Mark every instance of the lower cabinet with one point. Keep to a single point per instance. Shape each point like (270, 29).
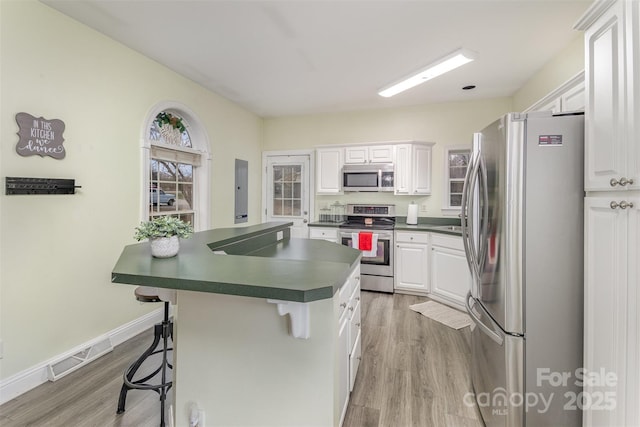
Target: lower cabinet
(324, 233)
(432, 264)
(349, 338)
(612, 297)
(450, 277)
(411, 272)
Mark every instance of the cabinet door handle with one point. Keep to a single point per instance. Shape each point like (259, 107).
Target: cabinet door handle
(351, 308)
(622, 205)
(343, 305)
(358, 325)
(621, 182)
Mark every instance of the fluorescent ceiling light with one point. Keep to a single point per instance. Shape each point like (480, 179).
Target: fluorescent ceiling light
(446, 64)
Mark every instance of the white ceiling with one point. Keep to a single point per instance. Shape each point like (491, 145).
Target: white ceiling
(293, 57)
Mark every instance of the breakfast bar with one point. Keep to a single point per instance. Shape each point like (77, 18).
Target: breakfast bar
(239, 358)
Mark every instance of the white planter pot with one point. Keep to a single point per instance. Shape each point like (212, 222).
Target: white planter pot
(165, 247)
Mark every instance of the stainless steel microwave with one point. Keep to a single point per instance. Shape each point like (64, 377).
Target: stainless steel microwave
(370, 177)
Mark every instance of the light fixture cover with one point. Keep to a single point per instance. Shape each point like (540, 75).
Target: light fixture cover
(443, 65)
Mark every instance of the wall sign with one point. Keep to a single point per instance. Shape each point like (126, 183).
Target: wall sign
(40, 136)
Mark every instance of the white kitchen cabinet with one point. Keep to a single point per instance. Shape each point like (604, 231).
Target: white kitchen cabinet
(611, 303)
(355, 352)
(324, 233)
(450, 279)
(369, 154)
(343, 367)
(413, 169)
(612, 228)
(349, 338)
(411, 262)
(402, 173)
(329, 170)
(573, 99)
(612, 155)
(569, 96)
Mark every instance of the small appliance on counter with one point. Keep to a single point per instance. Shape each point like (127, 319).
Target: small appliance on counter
(412, 214)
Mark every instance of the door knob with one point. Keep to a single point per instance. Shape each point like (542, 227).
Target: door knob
(304, 221)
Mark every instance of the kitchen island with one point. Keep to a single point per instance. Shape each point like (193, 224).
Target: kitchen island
(236, 359)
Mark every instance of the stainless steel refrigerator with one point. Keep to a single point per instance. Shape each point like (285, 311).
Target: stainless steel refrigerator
(522, 223)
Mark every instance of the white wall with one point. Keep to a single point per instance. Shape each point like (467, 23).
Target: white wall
(56, 252)
(565, 65)
(445, 124)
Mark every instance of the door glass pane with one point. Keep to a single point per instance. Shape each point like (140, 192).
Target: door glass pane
(277, 206)
(287, 190)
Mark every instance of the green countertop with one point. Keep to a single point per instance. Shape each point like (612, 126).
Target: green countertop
(256, 264)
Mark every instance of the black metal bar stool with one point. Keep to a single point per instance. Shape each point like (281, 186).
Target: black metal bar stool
(162, 331)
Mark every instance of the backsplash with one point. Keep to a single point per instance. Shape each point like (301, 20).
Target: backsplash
(401, 202)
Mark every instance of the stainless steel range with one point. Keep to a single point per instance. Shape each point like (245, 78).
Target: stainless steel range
(376, 268)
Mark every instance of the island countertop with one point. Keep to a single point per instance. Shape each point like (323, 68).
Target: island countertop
(261, 261)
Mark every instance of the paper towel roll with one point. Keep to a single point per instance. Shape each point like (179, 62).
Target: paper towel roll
(412, 214)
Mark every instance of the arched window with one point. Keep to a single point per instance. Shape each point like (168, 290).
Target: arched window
(176, 166)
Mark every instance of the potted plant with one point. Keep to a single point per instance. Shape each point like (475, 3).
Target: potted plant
(164, 233)
(171, 127)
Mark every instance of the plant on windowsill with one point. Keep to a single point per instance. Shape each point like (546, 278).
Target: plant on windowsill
(164, 233)
(171, 127)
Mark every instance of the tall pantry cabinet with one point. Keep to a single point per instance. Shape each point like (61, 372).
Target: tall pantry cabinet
(612, 213)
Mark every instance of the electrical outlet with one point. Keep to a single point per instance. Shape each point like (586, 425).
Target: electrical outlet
(279, 235)
(423, 208)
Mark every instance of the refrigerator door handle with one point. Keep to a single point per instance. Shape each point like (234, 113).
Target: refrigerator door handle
(468, 230)
(483, 190)
(486, 329)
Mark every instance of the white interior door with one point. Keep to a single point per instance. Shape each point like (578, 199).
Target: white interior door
(288, 191)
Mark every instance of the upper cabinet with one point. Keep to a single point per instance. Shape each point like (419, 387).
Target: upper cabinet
(612, 140)
(411, 160)
(413, 168)
(329, 170)
(570, 96)
(368, 154)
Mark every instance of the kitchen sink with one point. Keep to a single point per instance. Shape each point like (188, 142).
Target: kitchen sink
(456, 228)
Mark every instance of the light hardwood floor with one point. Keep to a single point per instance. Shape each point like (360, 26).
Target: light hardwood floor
(414, 372)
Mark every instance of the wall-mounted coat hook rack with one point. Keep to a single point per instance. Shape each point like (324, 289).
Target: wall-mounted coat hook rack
(18, 185)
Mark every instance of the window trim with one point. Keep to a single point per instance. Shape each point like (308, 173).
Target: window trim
(200, 147)
(446, 208)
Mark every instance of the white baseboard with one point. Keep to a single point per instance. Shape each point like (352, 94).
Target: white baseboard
(20, 383)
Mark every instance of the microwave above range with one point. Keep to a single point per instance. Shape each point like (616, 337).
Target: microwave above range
(371, 177)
